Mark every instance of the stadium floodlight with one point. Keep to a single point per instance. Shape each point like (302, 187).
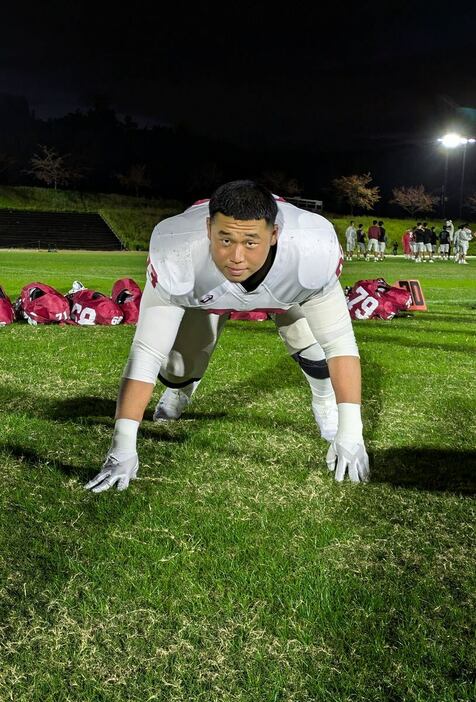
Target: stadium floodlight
(452, 140)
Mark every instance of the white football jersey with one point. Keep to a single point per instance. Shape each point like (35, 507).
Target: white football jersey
(180, 267)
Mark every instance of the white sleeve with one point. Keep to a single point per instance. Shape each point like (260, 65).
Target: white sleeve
(330, 322)
(156, 332)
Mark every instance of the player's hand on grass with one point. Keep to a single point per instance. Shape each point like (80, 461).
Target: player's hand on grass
(347, 454)
(115, 471)
(349, 457)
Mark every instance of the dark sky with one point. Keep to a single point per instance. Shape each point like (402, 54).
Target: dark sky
(348, 73)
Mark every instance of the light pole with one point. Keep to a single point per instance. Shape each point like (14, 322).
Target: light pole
(452, 141)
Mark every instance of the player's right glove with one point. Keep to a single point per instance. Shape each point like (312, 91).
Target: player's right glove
(114, 471)
(348, 457)
(347, 452)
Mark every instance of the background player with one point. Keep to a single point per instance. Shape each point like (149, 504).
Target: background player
(361, 242)
(373, 237)
(350, 237)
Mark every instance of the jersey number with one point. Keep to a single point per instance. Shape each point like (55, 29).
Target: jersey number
(85, 315)
(367, 303)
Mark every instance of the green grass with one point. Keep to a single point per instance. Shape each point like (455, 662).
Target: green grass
(235, 568)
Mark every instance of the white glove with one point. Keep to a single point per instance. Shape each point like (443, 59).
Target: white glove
(347, 452)
(348, 456)
(114, 471)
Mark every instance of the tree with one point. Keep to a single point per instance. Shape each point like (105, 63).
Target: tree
(413, 199)
(52, 169)
(135, 178)
(356, 191)
(471, 202)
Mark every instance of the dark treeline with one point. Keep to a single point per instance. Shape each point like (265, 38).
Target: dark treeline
(184, 164)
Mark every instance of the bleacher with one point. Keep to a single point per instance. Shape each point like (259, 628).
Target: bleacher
(307, 204)
(22, 229)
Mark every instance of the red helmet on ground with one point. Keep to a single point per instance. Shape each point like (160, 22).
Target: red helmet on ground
(127, 294)
(7, 313)
(41, 304)
(89, 307)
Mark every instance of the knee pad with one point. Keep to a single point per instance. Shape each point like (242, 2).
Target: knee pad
(315, 369)
(176, 385)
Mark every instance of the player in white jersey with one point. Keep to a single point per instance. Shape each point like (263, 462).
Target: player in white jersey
(242, 251)
(350, 239)
(465, 237)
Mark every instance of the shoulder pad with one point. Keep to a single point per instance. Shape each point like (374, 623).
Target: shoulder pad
(171, 246)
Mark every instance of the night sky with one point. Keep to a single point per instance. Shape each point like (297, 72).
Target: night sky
(353, 77)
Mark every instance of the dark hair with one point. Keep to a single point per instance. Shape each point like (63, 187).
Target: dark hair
(425, 224)
(352, 221)
(375, 221)
(360, 225)
(244, 199)
(380, 222)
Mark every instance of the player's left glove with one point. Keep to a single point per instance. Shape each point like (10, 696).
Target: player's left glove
(114, 472)
(347, 452)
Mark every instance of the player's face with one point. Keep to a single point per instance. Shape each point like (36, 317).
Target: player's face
(239, 247)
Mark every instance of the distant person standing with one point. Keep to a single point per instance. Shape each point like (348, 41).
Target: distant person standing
(395, 248)
(444, 244)
(434, 241)
(464, 239)
(419, 234)
(406, 243)
(451, 234)
(428, 250)
(373, 235)
(361, 242)
(382, 240)
(456, 243)
(350, 237)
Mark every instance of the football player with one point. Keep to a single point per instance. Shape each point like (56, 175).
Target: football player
(243, 250)
(373, 240)
(444, 243)
(465, 237)
(361, 242)
(350, 236)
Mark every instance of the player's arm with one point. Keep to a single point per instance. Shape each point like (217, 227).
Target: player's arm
(156, 331)
(330, 323)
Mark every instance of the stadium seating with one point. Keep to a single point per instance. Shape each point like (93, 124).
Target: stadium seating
(56, 230)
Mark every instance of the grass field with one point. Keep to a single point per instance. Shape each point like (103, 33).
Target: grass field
(235, 568)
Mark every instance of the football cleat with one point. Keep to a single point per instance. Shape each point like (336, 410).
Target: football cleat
(171, 404)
